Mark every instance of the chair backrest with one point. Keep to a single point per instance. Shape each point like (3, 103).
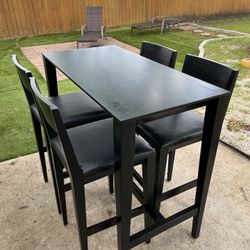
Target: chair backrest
(210, 71)
(94, 18)
(158, 53)
(54, 127)
(24, 75)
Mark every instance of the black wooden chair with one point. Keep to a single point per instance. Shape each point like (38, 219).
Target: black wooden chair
(76, 109)
(87, 152)
(158, 53)
(170, 133)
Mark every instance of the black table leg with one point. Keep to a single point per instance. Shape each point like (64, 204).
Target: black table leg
(124, 143)
(214, 117)
(50, 73)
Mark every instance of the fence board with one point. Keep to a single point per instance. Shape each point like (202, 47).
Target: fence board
(35, 17)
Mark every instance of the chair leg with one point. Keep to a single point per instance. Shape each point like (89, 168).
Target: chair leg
(54, 179)
(148, 169)
(58, 167)
(160, 169)
(111, 184)
(78, 193)
(41, 149)
(171, 156)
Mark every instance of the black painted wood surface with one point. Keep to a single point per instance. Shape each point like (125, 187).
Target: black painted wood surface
(127, 85)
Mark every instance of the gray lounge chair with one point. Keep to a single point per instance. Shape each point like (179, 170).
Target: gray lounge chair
(94, 28)
(157, 22)
(170, 23)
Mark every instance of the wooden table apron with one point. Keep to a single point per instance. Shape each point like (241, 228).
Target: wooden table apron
(134, 89)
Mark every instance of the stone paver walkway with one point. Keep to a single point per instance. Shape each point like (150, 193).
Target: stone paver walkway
(34, 53)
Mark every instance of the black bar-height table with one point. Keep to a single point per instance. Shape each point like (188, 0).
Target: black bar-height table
(134, 89)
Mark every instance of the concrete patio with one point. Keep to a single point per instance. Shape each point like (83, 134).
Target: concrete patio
(29, 218)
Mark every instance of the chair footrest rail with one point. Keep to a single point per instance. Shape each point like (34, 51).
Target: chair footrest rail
(137, 193)
(162, 225)
(137, 176)
(113, 221)
(167, 195)
(178, 190)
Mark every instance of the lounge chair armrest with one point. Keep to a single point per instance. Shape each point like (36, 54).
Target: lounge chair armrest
(103, 31)
(83, 29)
(171, 21)
(164, 21)
(157, 18)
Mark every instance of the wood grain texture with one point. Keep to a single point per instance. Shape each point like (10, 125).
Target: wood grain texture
(36, 17)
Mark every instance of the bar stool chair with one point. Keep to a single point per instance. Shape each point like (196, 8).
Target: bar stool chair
(87, 152)
(176, 131)
(159, 53)
(76, 109)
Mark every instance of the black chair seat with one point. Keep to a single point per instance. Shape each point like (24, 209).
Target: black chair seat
(92, 36)
(76, 109)
(173, 130)
(94, 149)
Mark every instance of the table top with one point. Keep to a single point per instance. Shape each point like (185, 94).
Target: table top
(130, 86)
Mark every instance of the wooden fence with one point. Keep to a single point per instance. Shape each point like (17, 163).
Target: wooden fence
(34, 17)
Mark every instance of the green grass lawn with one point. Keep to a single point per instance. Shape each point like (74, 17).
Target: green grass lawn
(183, 42)
(239, 24)
(231, 52)
(16, 130)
